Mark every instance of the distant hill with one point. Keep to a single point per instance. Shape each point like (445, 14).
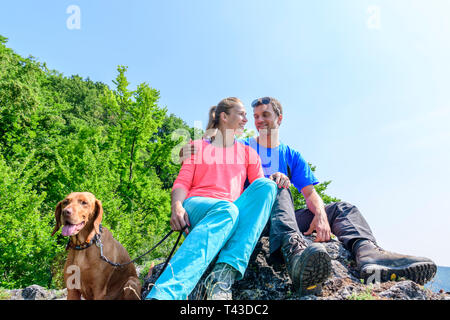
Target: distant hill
(440, 281)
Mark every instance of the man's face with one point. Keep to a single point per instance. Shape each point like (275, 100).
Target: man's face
(265, 118)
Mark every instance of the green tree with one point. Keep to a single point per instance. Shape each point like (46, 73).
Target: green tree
(299, 200)
(167, 141)
(144, 209)
(26, 247)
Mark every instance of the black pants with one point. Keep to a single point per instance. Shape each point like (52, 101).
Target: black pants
(346, 221)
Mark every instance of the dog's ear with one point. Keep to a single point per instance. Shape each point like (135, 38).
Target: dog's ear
(57, 217)
(98, 215)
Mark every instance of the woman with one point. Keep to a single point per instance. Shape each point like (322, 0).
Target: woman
(208, 197)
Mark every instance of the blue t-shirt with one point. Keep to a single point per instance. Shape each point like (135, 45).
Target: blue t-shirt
(277, 159)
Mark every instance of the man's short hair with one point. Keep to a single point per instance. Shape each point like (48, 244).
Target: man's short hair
(276, 105)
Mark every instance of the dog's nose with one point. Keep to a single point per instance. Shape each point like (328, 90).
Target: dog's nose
(67, 211)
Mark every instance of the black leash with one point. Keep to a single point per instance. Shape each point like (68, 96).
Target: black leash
(99, 244)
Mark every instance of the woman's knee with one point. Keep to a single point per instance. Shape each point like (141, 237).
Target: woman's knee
(266, 184)
(231, 209)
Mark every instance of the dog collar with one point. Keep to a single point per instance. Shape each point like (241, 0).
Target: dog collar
(85, 245)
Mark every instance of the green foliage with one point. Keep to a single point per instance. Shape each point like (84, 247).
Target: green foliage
(63, 134)
(26, 247)
(299, 200)
(366, 294)
(164, 151)
(4, 294)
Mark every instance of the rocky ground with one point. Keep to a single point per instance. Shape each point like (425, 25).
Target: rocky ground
(268, 281)
(264, 280)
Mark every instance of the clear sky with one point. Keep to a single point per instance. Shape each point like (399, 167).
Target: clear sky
(364, 85)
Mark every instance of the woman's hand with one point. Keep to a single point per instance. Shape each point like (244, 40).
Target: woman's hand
(281, 180)
(179, 218)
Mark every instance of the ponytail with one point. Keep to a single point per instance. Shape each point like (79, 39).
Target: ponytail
(213, 123)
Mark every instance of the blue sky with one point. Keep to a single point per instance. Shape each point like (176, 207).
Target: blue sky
(364, 85)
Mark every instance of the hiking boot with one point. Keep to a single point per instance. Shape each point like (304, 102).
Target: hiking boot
(307, 265)
(377, 265)
(219, 281)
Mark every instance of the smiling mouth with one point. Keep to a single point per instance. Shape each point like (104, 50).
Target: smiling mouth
(71, 229)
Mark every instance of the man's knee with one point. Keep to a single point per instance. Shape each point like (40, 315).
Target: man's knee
(283, 201)
(342, 210)
(284, 192)
(342, 206)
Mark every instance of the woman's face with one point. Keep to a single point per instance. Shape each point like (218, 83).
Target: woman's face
(236, 120)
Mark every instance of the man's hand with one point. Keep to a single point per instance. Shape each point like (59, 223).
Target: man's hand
(186, 151)
(281, 180)
(320, 221)
(179, 218)
(321, 226)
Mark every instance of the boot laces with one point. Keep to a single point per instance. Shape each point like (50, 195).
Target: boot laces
(221, 278)
(297, 243)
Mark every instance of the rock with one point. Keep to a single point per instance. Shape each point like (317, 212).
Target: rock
(35, 292)
(405, 290)
(264, 279)
(267, 279)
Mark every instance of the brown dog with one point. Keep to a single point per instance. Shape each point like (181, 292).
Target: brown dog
(85, 274)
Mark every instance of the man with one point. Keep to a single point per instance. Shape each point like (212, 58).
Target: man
(342, 219)
(309, 265)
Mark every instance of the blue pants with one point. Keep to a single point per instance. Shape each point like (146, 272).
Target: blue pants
(217, 227)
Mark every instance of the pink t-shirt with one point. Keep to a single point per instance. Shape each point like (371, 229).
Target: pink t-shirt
(219, 173)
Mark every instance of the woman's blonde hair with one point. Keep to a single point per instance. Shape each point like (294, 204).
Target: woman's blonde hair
(225, 105)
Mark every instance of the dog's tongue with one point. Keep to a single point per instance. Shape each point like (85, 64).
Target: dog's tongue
(70, 229)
